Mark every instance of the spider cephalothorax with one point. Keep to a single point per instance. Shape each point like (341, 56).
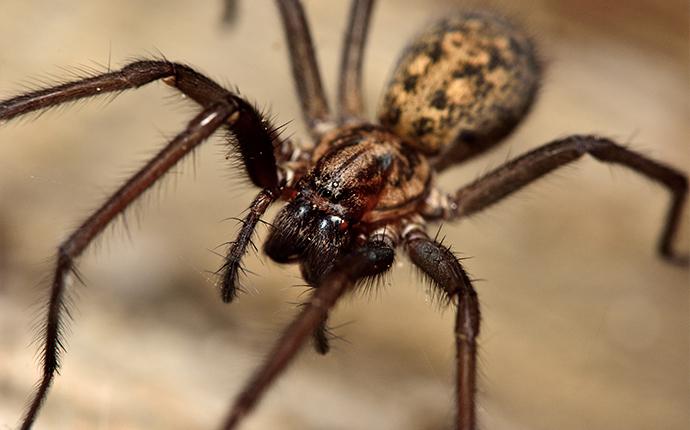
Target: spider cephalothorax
(363, 177)
(361, 190)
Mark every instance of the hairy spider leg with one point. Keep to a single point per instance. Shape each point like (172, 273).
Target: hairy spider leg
(254, 138)
(233, 262)
(521, 171)
(441, 266)
(350, 102)
(305, 68)
(199, 129)
(372, 259)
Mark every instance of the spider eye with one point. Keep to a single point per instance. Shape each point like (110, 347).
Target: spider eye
(301, 211)
(338, 222)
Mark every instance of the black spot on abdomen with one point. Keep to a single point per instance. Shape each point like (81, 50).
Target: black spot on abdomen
(439, 100)
(422, 126)
(410, 83)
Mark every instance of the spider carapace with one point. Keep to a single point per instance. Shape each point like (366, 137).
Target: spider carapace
(363, 188)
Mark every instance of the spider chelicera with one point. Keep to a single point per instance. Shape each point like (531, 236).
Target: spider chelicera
(365, 188)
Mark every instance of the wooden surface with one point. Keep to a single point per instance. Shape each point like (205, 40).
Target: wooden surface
(584, 327)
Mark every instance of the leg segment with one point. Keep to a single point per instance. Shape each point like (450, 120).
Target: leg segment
(200, 128)
(350, 101)
(305, 69)
(194, 85)
(440, 265)
(514, 175)
(322, 344)
(373, 258)
(255, 136)
(232, 267)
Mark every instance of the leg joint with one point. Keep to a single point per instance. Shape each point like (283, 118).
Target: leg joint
(586, 143)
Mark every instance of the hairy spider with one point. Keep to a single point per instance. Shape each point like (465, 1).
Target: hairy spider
(364, 188)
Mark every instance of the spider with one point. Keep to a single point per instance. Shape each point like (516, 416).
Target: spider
(337, 223)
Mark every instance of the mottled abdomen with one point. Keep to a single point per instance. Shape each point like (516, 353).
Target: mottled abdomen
(461, 86)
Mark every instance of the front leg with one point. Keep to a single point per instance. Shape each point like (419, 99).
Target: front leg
(198, 130)
(305, 69)
(255, 136)
(514, 175)
(439, 264)
(371, 259)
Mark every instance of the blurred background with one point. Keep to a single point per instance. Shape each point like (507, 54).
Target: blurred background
(583, 326)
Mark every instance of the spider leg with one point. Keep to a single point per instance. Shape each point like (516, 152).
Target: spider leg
(194, 85)
(350, 101)
(443, 268)
(255, 136)
(320, 337)
(515, 174)
(232, 267)
(199, 129)
(371, 259)
(305, 69)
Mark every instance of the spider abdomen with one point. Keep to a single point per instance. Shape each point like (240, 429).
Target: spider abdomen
(461, 86)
